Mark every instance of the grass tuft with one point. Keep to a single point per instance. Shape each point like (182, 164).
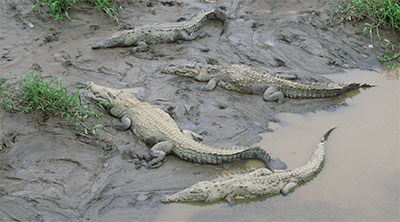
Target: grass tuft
(60, 8)
(47, 98)
(382, 14)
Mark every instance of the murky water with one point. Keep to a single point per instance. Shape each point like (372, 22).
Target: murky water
(360, 181)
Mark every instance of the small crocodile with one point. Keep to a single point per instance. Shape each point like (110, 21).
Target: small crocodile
(157, 129)
(257, 183)
(249, 80)
(142, 36)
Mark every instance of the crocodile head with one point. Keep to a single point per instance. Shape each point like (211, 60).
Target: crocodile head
(201, 191)
(119, 39)
(198, 72)
(103, 94)
(116, 99)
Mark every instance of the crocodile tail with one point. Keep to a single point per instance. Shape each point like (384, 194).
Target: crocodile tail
(221, 16)
(337, 90)
(348, 87)
(316, 91)
(316, 163)
(257, 153)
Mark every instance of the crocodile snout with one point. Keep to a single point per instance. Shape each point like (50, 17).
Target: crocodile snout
(109, 43)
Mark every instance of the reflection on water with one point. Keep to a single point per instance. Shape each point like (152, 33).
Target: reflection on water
(360, 180)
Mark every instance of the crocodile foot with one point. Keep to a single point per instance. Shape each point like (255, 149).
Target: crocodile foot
(192, 135)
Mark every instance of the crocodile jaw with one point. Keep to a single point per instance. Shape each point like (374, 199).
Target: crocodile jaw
(187, 70)
(110, 43)
(102, 94)
(197, 192)
(184, 195)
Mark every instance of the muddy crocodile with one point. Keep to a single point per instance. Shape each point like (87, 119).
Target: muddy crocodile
(249, 80)
(142, 36)
(257, 183)
(157, 129)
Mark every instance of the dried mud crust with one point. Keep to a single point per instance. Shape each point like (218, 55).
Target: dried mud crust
(49, 173)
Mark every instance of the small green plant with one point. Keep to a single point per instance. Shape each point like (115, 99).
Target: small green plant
(388, 45)
(369, 28)
(105, 105)
(48, 98)
(386, 58)
(6, 97)
(390, 54)
(60, 8)
(106, 7)
(382, 14)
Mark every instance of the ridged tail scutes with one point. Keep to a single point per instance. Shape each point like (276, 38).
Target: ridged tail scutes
(257, 153)
(366, 85)
(327, 134)
(321, 91)
(216, 14)
(316, 163)
(220, 15)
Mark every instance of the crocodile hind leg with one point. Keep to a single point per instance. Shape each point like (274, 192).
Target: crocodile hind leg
(273, 94)
(126, 122)
(188, 37)
(288, 188)
(192, 135)
(141, 47)
(158, 152)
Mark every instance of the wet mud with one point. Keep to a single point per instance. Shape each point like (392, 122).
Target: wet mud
(49, 173)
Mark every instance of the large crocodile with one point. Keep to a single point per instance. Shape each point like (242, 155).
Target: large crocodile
(156, 128)
(257, 183)
(141, 36)
(249, 80)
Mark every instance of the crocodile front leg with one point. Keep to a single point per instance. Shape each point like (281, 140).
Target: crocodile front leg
(288, 188)
(212, 84)
(273, 94)
(141, 47)
(158, 151)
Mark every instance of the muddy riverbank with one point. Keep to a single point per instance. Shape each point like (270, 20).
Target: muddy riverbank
(48, 173)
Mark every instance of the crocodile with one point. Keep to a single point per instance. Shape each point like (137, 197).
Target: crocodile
(142, 36)
(253, 184)
(249, 80)
(157, 129)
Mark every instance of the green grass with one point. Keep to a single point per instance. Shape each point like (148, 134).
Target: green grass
(60, 8)
(380, 14)
(6, 95)
(47, 98)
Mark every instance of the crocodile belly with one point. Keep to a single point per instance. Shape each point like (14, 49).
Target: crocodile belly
(149, 134)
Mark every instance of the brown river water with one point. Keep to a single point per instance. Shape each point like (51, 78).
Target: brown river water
(360, 180)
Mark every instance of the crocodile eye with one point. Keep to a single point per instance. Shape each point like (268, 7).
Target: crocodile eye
(111, 95)
(195, 191)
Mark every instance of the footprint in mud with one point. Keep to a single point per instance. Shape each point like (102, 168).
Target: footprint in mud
(299, 39)
(301, 43)
(47, 38)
